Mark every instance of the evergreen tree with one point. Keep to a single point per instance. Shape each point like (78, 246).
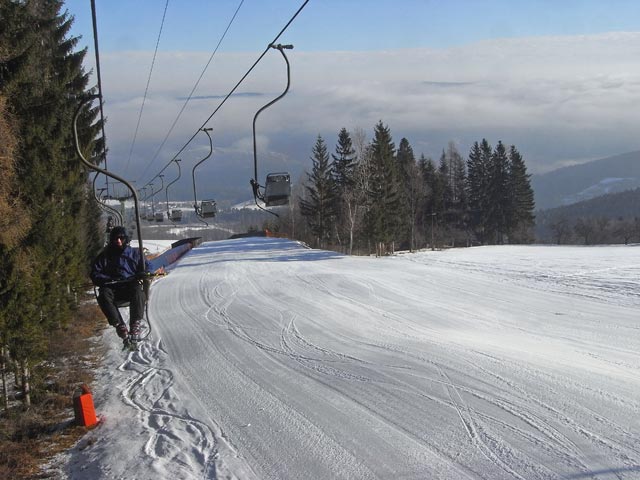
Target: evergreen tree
(431, 188)
(409, 193)
(477, 187)
(457, 185)
(457, 175)
(320, 205)
(344, 161)
(40, 76)
(344, 171)
(522, 198)
(384, 199)
(443, 195)
(499, 212)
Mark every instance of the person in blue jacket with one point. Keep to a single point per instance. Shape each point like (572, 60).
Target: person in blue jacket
(116, 272)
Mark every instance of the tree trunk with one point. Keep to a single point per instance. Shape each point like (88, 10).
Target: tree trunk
(26, 387)
(5, 393)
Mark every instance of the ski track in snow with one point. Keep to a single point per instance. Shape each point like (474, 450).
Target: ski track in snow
(269, 360)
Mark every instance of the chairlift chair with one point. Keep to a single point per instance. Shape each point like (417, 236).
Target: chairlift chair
(159, 217)
(208, 208)
(176, 215)
(277, 189)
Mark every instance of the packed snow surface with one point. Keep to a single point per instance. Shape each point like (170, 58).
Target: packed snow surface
(269, 360)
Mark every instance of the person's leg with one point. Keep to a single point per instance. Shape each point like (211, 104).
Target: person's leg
(107, 303)
(136, 308)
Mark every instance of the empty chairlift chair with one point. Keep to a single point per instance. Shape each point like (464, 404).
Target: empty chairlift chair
(176, 215)
(277, 189)
(208, 208)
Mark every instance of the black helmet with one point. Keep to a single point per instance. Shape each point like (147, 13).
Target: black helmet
(119, 232)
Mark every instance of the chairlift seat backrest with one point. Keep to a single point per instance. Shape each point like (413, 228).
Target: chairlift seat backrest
(176, 215)
(208, 208)
(277, 189)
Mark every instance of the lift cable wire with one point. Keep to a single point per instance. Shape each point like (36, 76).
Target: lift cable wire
(97, 55)
(146, 90)
(191, 94)
(224, 100)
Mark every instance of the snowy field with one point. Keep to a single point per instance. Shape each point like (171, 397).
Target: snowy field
(268, 360)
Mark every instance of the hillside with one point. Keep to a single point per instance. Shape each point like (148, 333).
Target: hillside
(616, 214)
(589, 180)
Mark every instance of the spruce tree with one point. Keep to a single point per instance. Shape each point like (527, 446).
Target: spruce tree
(320, 203)
(344, 161)
(476, 188)
(344, 171)
(428, 213)
(458, 179)
(443, 195)
(384, 198)
(522, 199)
(499, 211)
(42, 77)
(409, 193)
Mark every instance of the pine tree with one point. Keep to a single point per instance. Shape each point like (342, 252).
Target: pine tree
(477, 187)
(409, 193)
(443, 195)
(344, 161)
(344, 172)
(522, 199)
(384, 199)
(320, 205)
(15, 262)
(499, 212)
(41, 77)
(430, 187)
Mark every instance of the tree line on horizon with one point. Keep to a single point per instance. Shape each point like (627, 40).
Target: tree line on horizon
(48, 217)
(372, 197)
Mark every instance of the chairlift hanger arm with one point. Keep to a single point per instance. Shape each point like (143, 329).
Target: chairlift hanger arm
(96, 168)
(255, 184)
(109, 208)
(193, 172)
(166, 190)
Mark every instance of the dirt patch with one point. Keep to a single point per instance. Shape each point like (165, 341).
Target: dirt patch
(31, 438)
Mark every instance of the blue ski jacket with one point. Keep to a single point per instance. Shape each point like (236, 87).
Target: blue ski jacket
(114, 264)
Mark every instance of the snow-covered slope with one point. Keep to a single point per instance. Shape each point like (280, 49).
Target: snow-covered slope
(269, 360)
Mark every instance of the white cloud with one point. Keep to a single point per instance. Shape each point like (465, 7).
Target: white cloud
(551, 87)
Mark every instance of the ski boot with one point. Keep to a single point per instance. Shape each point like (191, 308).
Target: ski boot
(121, 330)
(132, 340)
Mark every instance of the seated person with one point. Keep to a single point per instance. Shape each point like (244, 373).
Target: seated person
(115, 272)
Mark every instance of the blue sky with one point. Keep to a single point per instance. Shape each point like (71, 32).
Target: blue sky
(347, 24)
(559, 79)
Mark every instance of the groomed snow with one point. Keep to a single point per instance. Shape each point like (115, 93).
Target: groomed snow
(268, 360)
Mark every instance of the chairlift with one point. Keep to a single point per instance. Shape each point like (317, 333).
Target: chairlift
(206, 208)
(159, 217)
(277, 188)
(175, 215)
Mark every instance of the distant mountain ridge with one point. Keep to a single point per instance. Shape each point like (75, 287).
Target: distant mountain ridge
(578, 183)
